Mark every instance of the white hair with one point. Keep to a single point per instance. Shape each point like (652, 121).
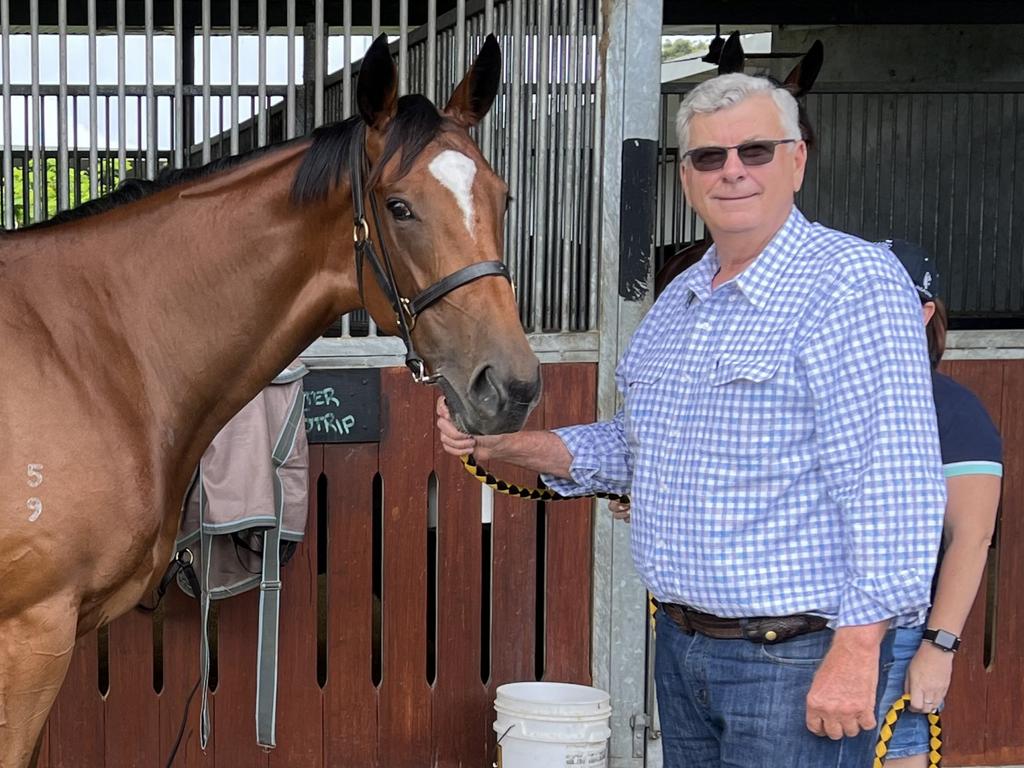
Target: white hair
(728, 90)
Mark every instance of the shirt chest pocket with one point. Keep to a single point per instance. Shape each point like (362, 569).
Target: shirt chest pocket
(745, 405)
(649, 403)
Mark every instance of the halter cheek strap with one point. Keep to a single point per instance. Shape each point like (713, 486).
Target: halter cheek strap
(406, 310)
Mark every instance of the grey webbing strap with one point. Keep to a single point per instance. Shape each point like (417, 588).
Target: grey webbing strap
(270, 589)
(206, 548)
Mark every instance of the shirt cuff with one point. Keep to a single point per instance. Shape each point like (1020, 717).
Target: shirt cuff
(902, 596)
(585, 471)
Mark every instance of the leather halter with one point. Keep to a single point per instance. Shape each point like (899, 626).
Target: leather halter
(406, 310)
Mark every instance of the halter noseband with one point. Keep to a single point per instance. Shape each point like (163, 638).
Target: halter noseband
(406, 310)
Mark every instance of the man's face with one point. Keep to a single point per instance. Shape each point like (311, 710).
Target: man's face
(736, 198)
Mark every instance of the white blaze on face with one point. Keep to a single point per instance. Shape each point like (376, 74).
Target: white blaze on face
(456, 171)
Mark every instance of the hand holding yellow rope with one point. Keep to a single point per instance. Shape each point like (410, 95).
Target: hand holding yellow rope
(886, 731)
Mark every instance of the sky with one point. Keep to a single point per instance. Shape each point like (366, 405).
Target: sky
(135, 74)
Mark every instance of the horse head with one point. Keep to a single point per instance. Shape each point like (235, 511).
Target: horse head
(437, 219)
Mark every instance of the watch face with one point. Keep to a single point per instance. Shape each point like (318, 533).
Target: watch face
(945, 639)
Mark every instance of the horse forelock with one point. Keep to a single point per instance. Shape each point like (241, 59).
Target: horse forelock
(416, 124)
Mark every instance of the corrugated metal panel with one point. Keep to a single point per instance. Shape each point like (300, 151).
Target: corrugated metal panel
(934, 165)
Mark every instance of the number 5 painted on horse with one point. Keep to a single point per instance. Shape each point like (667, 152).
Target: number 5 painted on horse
(35, 475)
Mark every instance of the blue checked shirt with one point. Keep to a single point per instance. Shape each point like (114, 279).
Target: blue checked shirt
(778, 437)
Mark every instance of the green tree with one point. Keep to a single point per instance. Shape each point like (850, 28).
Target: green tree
(107, 173)
(680, 47)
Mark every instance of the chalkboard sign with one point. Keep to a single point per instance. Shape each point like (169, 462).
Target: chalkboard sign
(342, 406)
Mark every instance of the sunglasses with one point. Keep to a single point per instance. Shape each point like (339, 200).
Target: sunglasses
(758, 152)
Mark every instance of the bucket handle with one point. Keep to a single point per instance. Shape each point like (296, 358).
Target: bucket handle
(497, 747)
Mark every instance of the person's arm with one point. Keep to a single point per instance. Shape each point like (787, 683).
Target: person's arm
(875, 432)
(970, 520)
(537, 450)
(573, 460)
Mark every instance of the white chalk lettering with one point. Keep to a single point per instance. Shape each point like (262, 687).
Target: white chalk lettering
(36, 506)
(330, 424)
(323, 396)
(35, 475)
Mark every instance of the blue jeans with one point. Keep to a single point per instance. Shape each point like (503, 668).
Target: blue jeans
(911, 736)
(737, 703)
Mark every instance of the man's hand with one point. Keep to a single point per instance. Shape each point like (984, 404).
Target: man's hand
(841, 701)
(619, 510)
(458, 443)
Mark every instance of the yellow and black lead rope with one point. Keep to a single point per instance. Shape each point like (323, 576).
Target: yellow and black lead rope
(889, 723)
(534, 494)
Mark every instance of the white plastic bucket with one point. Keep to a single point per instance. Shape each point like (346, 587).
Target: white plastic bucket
(552, 725)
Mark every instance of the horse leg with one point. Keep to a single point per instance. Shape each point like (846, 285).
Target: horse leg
(35, 651)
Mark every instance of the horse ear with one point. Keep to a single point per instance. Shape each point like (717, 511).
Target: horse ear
(377, 87)
(475, 94)
(802, 78)
(731, 58)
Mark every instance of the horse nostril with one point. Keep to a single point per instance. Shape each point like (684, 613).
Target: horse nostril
(524, 392)
(487, 392)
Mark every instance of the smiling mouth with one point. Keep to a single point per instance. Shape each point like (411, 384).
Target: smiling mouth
(741, 197)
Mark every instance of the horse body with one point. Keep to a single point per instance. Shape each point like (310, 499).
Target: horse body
(130, 338)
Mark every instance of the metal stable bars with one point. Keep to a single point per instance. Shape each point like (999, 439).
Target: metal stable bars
(542, 135)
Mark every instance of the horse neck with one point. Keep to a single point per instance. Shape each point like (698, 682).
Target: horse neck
(215, 287)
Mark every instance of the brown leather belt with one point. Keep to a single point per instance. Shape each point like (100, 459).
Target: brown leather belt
(757, 629)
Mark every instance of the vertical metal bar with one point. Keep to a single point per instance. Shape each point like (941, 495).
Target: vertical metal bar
(346, 85)
(541, 172)
(122, 102)
(431, 73)
(375, 18)
(403, 47)
(37, 138)
(179, 97)
(62, 107)
(460, 38)
(234, 77)
(152, 134)
(571, 183)
(515, 112)
(261, 87)
(5, 34)
(290, 127)
(318, 78)
(206, 81)
(597, 139)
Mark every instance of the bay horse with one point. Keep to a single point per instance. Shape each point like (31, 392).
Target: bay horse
(132, 331)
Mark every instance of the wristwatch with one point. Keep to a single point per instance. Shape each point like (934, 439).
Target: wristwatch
(947, 641)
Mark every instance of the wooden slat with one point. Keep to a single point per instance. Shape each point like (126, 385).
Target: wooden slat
(350, 698)
(133, 717)
(234, 724)
(181, 638)
(461, 705)
(76, 724)
(569, 399)
(1005, 713)
(966, 714)
(406, 459)
(299, 699)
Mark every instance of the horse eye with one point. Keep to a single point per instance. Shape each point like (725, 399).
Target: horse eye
(400, 210)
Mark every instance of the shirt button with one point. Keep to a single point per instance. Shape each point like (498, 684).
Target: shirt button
(733, 297)
(684, 379)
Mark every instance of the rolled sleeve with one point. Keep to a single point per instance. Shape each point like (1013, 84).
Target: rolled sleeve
(875, 427)
(600, 459)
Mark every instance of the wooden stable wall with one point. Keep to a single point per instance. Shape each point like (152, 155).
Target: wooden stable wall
(984, 719)
(537, 557)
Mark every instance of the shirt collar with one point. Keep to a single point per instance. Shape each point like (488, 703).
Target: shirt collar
(758, 281)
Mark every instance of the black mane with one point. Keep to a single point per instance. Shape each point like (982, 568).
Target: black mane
(326, 163)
